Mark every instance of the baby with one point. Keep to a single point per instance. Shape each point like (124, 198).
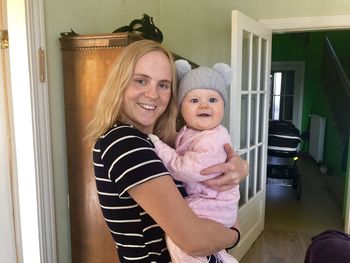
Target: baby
(200, 143)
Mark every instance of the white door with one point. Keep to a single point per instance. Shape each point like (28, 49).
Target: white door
(249, 103)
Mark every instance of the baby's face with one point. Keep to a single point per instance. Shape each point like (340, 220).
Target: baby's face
(202, 109)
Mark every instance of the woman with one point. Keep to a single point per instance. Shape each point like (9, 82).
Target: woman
(138, 197)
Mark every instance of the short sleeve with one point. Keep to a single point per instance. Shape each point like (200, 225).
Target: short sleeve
(129, 159)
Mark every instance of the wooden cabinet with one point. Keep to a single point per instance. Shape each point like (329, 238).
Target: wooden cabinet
(87, 60)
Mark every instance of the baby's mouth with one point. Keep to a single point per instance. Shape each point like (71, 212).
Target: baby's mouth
(203, 115)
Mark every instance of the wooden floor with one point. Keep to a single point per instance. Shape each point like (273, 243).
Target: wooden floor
(290, 223)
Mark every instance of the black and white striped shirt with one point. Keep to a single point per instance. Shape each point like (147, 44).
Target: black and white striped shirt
(123, 158)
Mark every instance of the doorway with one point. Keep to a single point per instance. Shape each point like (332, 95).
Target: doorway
(278, 195)
(304, 37)
(286, 26)
(307, 48)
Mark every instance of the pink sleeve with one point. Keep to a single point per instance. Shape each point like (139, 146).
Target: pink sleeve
(204, 152)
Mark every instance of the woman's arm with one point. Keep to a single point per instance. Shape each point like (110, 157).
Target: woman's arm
(234, 171)
(160, 198)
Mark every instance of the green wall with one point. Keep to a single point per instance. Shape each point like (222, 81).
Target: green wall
(308, 47)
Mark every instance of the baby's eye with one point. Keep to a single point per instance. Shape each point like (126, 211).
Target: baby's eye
(213, 100)
(194, 100)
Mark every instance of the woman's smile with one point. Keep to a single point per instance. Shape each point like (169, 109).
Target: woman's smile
(147, 106)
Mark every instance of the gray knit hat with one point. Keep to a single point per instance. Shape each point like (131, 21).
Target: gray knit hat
(217, 78)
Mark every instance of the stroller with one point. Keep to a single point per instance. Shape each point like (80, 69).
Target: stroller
(282, 150)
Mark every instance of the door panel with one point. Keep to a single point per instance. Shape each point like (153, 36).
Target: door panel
(249, 100)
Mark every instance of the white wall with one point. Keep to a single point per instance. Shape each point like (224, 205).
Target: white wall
(196, 29)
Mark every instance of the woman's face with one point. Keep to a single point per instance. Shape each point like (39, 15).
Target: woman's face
(149, 91)
(202, 109)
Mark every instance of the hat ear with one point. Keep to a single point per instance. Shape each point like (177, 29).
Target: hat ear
(182, 67)
(224, 71)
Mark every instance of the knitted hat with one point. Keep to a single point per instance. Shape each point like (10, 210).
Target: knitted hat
(217, 78)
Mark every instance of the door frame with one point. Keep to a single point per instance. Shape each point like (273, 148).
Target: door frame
(26, 23)
(316, 23)
(10, 245)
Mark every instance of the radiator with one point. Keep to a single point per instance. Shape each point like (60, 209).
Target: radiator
(317, 131)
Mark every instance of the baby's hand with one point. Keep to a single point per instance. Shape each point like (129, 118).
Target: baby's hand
(153, 137)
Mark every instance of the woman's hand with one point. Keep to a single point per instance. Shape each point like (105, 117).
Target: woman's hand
(233, 171)
(195, 235)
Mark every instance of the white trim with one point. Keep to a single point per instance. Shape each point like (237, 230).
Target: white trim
(8, 212)
(10, 246)
(42, 136)
(283, 25)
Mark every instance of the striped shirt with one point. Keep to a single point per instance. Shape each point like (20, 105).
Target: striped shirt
(123, 158)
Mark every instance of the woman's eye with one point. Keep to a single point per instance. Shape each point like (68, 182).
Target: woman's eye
(140, 81)
(213, 100)
(164, 86)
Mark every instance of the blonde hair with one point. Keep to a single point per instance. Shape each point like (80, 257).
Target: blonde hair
(108, 108)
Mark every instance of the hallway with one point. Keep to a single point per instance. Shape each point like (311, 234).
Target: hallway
(290, 223)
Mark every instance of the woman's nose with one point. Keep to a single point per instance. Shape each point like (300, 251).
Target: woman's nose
(151, 92)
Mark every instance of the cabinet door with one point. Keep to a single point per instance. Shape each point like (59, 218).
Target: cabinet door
(86, 64)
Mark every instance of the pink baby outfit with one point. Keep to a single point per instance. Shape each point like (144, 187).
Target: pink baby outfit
(196, 150)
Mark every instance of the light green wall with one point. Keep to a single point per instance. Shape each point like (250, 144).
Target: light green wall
(197, 29)
(201, 29)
